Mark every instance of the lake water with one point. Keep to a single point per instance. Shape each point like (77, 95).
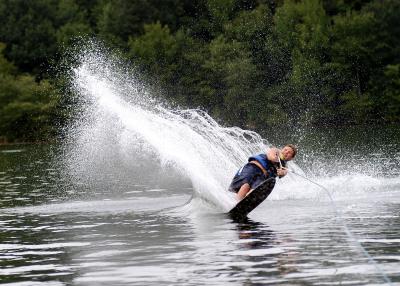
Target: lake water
(136, 194)
(139, 233)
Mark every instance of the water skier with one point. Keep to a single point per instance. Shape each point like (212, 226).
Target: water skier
(261, 167)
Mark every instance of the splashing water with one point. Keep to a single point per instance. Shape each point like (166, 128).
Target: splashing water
(123, 137)
(121, 128)
(122, 125)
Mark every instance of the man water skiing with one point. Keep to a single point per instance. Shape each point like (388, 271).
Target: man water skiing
(261, 167)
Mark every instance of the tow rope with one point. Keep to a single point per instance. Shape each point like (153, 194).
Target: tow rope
(348, 232)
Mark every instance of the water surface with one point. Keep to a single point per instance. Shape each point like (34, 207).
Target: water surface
(53, 234)
(136, 194)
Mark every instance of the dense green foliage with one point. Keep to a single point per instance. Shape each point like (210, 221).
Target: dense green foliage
(28, 109)
(249, 63)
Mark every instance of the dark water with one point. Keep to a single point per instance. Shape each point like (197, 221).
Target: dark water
(150, 232)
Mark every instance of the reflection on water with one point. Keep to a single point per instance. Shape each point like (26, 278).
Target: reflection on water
(265, 249)
(148, 235)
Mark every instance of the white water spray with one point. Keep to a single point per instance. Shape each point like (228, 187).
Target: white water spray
(123, 129)
(121, 120)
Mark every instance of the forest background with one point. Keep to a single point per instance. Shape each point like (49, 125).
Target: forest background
(253, 64)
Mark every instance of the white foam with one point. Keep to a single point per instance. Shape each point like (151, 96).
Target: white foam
(125, 135)
(116, 131)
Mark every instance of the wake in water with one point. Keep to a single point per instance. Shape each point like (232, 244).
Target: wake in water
(121, 129)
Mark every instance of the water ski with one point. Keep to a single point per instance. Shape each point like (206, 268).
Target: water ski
(253, 199)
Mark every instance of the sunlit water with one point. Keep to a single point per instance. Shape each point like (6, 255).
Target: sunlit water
(136, 195)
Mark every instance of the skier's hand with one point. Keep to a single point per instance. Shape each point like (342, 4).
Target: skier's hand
(282, 172)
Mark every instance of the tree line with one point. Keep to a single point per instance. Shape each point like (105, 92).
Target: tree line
(249, 63)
